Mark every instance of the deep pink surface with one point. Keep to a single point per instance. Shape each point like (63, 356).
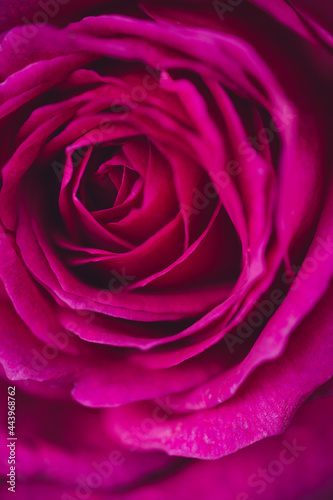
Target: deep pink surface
(202, 195)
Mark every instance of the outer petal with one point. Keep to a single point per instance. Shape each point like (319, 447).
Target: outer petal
(262, 407)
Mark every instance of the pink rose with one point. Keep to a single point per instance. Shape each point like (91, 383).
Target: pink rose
(166, 214)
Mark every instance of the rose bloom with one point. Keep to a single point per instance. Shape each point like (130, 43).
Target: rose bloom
(166, 216)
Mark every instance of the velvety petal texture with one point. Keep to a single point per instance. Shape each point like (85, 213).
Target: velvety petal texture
(166, 237)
